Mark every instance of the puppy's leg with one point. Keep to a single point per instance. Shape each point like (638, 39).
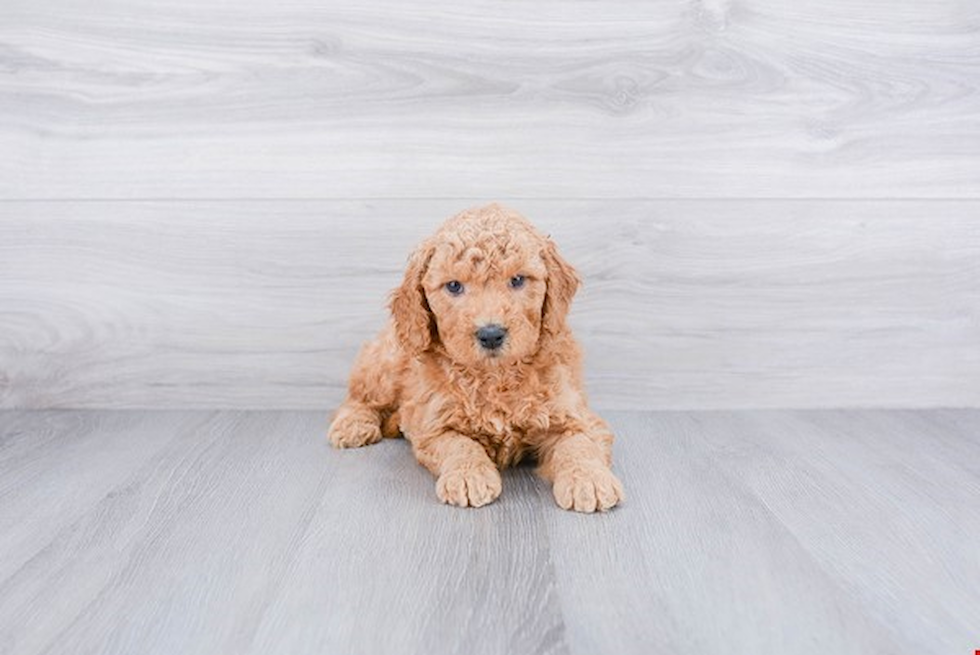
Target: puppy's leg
(578, 466)
(371, 398)
(466, 476)
(354, 425)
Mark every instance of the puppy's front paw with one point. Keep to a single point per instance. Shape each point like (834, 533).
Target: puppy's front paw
(469, 487)
(355, 428)
(587, 489)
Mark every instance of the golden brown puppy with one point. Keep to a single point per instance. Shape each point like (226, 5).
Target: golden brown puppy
(478, 368)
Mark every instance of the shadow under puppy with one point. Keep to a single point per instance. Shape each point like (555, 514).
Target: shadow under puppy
(478, 368)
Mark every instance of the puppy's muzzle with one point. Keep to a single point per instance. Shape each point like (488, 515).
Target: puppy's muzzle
(491, 337)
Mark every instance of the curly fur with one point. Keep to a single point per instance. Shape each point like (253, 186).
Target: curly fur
(468, 411)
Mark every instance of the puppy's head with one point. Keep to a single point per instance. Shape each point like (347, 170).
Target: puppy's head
(487, 286)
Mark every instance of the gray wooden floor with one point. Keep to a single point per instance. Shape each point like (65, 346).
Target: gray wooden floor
(242, 532)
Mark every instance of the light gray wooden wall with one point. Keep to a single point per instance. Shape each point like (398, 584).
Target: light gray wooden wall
(702, 303)
(773, 204)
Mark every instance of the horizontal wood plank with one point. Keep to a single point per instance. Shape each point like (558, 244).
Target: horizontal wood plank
(698, 304)
(603, 98)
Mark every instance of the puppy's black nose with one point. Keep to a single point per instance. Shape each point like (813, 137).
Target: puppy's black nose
(491, 336)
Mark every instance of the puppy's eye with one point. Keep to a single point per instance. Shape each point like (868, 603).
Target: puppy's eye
(454, 287)
(517, 282)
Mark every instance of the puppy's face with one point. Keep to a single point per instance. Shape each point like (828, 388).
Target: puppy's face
(487, 286)
(487, 299)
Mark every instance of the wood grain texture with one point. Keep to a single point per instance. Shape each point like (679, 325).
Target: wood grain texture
(245, 533)
(892, 531)
(781, 532)
(242, 532)
(610, 98)
(696, 304)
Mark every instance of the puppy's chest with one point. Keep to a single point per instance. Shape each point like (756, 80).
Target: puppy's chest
(501, 417)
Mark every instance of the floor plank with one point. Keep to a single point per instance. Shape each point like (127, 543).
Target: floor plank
(610, 98)
(386, 568)
(242, 532)
(248, 534)
(57, 465)
(696, 563)
(883, 503)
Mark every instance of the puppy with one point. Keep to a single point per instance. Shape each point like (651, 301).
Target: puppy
(479, 369)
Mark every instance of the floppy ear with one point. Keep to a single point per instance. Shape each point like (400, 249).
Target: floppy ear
(414, 323)
(562, 283)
